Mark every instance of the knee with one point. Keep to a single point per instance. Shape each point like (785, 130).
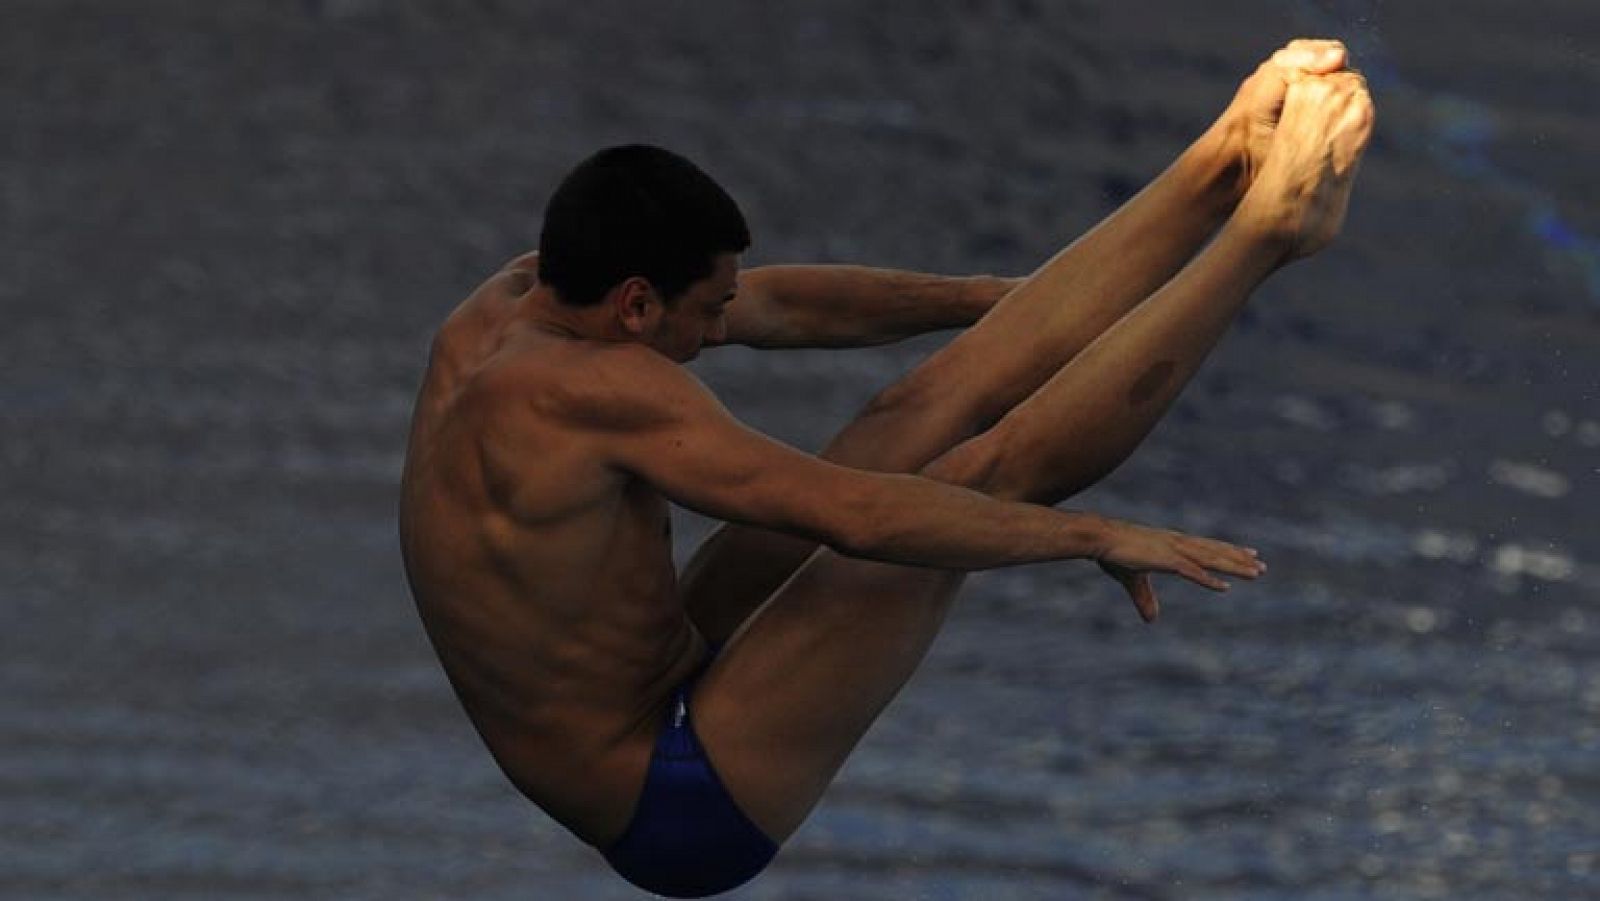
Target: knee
(910, 396)
(981, 463)
(1000, 464)
(932, 393)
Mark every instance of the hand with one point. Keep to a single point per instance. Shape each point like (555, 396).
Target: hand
(1302, 193)
(1251, 120)
(1132, 552)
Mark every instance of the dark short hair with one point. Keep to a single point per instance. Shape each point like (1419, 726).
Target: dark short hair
(636, 210)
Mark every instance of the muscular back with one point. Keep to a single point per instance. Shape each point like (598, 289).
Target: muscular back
(542, 574)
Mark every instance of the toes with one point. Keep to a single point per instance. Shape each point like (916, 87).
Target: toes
(1337, 90)
(1351, 79)
(1357, 105)
(1350, 141)
(1316, 56)
(1307, 91)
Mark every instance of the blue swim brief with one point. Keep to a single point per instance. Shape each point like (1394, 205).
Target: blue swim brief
(687, 839)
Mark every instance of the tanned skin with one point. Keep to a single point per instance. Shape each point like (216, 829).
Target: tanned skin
(549, 439)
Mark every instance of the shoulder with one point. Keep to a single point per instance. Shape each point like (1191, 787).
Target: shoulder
(528, 262)
(590, 385)
(481, 314)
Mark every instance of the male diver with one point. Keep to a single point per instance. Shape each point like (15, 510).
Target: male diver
(685, 726)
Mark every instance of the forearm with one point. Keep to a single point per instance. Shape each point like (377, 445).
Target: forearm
(917, 521)
(854, 306)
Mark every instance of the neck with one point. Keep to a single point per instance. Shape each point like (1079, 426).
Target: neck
(541, 309)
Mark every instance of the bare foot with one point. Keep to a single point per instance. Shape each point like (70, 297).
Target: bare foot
(1248, 124)
(1302, 192)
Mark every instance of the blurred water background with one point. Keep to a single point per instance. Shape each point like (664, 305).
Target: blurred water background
(229, 229)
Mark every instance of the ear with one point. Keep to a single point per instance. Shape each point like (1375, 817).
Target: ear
(638, 307)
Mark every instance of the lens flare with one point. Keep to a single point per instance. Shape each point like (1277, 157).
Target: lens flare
(1458, 134)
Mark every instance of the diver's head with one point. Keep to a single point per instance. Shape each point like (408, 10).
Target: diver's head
(636, 211)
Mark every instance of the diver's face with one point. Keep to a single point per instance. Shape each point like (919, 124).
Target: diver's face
(698, 316)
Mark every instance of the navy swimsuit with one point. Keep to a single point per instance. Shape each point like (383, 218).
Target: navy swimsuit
(687, 838)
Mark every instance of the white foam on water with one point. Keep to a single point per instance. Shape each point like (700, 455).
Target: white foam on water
(1530, 479)
(1556, 423)
(1405, 478)
(1422, 620)
(1305, 412)
(1549, 565)
(1589, 433)
(1433, 544)
(1393, 415)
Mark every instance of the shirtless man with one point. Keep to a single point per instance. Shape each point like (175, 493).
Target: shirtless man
(686, 727)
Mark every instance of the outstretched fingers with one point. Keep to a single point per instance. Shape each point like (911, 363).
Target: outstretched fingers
(1224, 557)
(1202, 557)
(1198, 574)
(1135, 552)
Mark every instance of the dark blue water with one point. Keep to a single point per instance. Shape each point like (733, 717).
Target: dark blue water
(230, 230)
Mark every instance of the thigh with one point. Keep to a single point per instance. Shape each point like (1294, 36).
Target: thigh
(733, 572)
(796, 688)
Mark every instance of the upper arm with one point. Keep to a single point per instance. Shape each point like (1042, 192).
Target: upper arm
(663, 426)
